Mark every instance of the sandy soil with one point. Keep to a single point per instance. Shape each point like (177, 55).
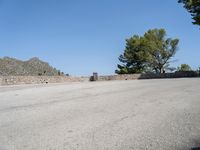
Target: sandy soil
(113, 115)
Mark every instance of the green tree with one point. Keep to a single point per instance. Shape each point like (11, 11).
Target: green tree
(184, 67)
(160, 49)
(193, 7)
(134, 57)
(151, 52)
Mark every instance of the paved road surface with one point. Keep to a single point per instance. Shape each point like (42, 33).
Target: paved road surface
(113, 115)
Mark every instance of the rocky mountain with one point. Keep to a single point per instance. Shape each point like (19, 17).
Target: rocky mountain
(32, 67)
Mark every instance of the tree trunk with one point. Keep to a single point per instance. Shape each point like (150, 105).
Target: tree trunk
(160, 70)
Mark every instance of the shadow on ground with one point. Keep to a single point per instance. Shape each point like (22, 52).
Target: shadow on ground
(195, 148)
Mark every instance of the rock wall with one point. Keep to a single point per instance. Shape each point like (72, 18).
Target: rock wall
(183, 74)
(15, 80)
(119, 77)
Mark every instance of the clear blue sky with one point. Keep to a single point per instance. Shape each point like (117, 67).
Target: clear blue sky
(82, 36)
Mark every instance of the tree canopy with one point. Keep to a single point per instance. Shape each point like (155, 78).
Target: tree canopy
(193, 7)
(160, 49)
(134, 56)
(184, 67)
(149, 53)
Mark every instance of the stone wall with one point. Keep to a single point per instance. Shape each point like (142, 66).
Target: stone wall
(15, 80)
(119, 77)
(184, 74)
(179, 74)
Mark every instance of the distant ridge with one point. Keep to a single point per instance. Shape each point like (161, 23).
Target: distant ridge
(31, 67)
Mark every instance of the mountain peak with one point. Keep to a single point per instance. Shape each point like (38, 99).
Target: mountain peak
(34, 59)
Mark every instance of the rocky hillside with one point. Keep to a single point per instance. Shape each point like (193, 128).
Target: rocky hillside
(32, 67)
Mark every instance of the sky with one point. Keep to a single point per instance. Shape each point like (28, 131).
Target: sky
(80, 37)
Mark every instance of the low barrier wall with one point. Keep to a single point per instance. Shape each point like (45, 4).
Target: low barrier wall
(183, 74)
(15, 80)
(119, 77)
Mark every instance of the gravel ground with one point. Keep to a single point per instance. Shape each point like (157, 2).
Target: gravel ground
(112, 115)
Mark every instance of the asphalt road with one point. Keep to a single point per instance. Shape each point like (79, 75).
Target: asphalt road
(113, 115)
